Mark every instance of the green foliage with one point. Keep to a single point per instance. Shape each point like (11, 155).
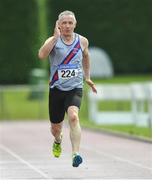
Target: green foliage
(121, 27)
(18, 40)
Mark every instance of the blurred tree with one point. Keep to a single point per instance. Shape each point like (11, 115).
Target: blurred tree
(43, 25)
(121, 27)
(18, 40)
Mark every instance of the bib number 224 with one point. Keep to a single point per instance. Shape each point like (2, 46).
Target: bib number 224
(68, 73)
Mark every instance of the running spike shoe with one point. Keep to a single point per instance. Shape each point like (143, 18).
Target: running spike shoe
(76, 160)
(56, 149)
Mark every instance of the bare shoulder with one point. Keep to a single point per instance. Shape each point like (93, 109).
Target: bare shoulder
(84, 42)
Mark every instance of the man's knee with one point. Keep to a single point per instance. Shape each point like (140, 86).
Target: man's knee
(73, 117)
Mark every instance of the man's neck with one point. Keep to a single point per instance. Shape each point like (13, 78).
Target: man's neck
(68, 39)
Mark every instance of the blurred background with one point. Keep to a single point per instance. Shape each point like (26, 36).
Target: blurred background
(119, 33)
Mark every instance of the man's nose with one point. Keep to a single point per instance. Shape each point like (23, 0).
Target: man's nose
(67, 25)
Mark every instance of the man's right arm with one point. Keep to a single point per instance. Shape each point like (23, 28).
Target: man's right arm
(47, 47)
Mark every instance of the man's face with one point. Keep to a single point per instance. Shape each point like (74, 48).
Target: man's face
(67, 24)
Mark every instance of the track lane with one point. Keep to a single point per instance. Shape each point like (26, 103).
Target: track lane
(25, 154)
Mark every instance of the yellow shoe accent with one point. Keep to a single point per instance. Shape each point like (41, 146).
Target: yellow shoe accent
(56, 149)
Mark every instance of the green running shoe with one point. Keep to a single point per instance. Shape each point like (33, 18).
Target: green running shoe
(56, 149)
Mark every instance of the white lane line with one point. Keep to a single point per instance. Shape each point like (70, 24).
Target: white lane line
(22, 160)
(117, 158)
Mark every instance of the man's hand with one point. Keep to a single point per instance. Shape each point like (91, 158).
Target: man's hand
(57, 30)
(91, 84)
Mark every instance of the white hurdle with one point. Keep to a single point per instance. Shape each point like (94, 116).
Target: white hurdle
(139, 97)
(148, 87)
(134, 93)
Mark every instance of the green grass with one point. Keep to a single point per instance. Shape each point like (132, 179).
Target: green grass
(127, 129)
(18, 105)
(126, 79)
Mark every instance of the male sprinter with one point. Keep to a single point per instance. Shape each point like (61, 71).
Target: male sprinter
(68, 55)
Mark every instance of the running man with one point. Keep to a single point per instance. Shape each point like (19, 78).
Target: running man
(69, 58)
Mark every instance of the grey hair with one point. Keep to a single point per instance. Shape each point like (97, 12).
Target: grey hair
(64, 13)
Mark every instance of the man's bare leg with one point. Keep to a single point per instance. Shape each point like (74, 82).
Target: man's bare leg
(75, 135)
(56, 130)
(75, 129)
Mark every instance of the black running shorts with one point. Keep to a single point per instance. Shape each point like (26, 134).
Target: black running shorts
(59, 101)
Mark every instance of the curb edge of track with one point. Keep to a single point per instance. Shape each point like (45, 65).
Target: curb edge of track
(120, 134)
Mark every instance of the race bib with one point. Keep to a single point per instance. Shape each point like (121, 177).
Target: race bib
(67, 71)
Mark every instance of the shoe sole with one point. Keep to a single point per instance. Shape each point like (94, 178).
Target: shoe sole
(56, 156)
(77, 160)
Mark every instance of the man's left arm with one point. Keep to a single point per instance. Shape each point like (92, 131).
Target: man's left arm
(86, 65)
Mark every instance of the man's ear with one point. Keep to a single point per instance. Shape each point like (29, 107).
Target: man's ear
(58, 24)
(75, 25)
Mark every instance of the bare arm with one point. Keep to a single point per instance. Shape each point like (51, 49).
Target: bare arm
(86, 64)
(46, 47)
(49, 43)
(86, 59)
